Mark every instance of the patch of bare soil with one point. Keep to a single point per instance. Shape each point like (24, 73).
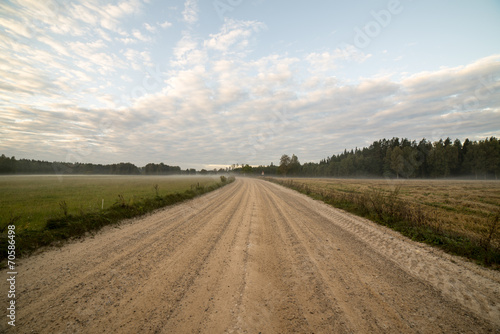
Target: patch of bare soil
(252, 257)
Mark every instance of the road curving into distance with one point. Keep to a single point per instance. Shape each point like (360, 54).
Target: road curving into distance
(247, 258)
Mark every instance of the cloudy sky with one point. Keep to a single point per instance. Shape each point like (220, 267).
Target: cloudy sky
(210, 83)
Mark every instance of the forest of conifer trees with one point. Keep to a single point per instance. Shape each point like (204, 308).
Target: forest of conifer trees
(401, 158)
(25, 166)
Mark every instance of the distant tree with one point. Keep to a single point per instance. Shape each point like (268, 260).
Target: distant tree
(452, 159)
(247, 169)
(437, 160)
(7, 165)
(410, 163)
(466, 167)
(374, 159)
(492, 152)
(423, 149)
(397, 161)
(346, 165)
(284, 164)
(475, 159)
(387, 169)
(294, 165)
(268, 170)
(460, 157)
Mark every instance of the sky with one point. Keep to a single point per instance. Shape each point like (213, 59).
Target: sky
(211, 83)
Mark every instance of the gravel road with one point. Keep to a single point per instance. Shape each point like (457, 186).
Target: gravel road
(252, 257)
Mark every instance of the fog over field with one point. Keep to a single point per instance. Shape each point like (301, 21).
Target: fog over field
(207, 84)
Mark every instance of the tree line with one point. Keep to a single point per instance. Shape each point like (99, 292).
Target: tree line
(393, 158)
(397, 158)
(26, 166)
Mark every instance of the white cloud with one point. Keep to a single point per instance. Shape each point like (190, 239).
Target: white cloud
(146, 58)
(82, 76)
(137, 34)
(328, 61)
(108, 100)
(128, 40)
(108, 16)
(187, 53)
(86, 14)
(123, 8)
(133, 56)
(86, 49)
(103, 35)
(55, 45)
(165, 24)
(234, 35)
(323, 62)
(190, 12)
(275, 70)
(126, 78)
(138, 59)
(15, 27)
(149, 27)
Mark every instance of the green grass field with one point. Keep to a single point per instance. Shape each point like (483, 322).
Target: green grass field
(36, 198)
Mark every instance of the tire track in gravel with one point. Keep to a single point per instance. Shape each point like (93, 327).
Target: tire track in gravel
(247, 258)
(178, 274)
(219, 269)
(308, 305)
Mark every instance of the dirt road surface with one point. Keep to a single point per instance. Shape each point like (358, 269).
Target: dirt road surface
(252, 257)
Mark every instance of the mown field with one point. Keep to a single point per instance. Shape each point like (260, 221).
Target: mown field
(48, 210)
(460, 216)
(36, 198)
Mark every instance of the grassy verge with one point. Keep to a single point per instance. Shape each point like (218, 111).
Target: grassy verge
(67, 226)
(391, 209)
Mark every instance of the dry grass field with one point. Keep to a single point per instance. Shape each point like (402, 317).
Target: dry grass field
(462, 206)
(461, 216)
